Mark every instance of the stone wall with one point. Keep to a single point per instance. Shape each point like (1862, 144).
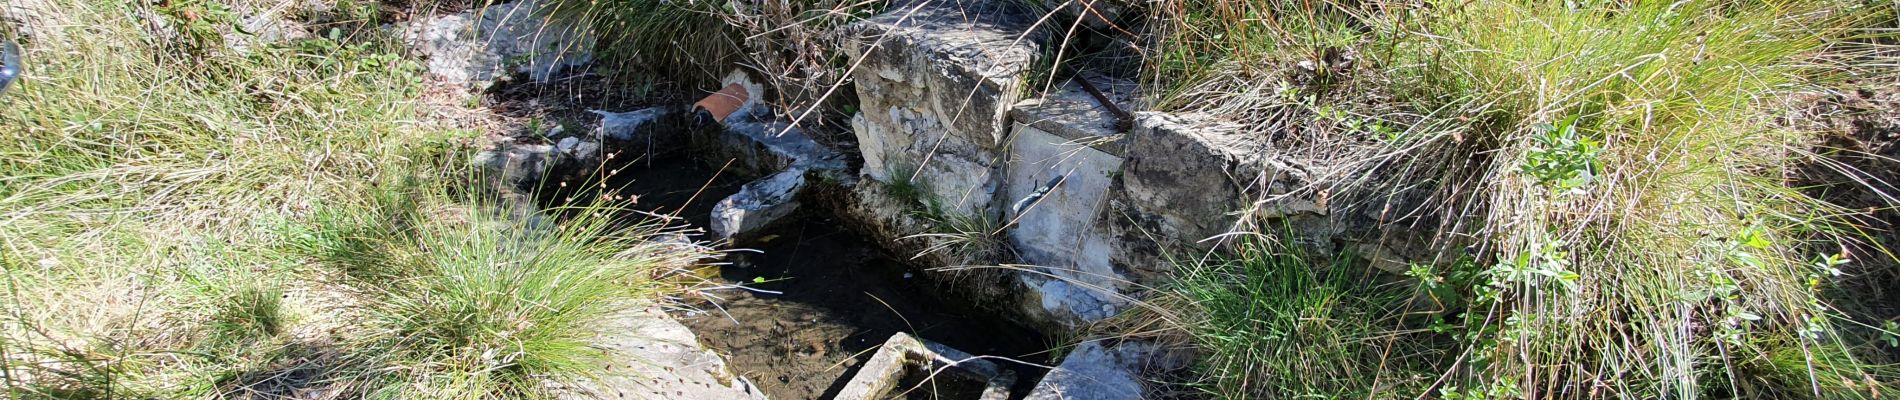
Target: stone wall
(946, 132)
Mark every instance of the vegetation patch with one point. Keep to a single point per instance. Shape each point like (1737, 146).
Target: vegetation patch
(1612, 171)
(1271, 321)
(184, 217)
(459, 299)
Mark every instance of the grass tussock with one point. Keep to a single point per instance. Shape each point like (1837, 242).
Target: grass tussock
(1613, 168)
(175, 213)
(460, 299)
(1270, 321)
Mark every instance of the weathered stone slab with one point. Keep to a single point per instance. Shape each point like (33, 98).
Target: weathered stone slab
(758, 204)
(654, 357)
(1060, 190)
(1072, 113)
(935, 80)
(759, 143)
(904, 354)
(1184, 184)
(763, 147)
(1096, 372)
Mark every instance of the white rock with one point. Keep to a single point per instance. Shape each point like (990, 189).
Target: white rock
(657, 358)
(479, 46)
(758, 204)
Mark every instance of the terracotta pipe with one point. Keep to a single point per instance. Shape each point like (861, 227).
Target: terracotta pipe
(721, 104)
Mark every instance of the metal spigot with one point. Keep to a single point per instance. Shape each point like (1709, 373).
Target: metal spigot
(9, 64)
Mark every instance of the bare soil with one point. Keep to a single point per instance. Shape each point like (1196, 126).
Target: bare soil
(1861, 149)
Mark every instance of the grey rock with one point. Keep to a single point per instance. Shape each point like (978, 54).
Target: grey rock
(761, 147)
(479, 46)
(935, 81)
(758, 204)
(1078, 304)
(654, 357)
(657, 123)
(646, 133)
(1093, 371)
(35, 19)
(1185, 182)
(904, 354)
(512, 166)
(761, 144)
(1062, 231)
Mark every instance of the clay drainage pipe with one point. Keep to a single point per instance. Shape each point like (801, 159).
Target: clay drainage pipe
(721, 104)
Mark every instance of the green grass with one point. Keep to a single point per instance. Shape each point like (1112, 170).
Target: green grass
(159, 196)
(1632, 186)
(460, 299)
(142, 179)
(1617, 165)
(1272, 323)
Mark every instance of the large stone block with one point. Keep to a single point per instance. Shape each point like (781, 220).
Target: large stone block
(1063, 159)
(935, 81)
(1185, 183)
(1094, 370)
(654, 357)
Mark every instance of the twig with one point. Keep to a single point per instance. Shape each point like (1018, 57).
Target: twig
(1123, 120)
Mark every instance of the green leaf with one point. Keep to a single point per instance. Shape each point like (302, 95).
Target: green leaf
(758, 279)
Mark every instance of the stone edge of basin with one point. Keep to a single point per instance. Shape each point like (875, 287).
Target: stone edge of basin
(880, 376)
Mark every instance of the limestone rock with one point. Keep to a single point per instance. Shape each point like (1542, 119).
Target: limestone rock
(1062, 161)
(1184, 183)
(758, 204)
(1096, 372)
(935, 81)
(514, 166)
(481, 45)
(35, 19)
(904, 354)
(654, 357)
(645, 133)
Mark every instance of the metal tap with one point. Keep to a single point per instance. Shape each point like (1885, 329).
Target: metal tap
(9, 64)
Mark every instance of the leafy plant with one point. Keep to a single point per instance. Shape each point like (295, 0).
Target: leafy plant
(1562, 158)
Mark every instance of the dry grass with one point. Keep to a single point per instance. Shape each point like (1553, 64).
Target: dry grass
(153, 179)
(1615, 167)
